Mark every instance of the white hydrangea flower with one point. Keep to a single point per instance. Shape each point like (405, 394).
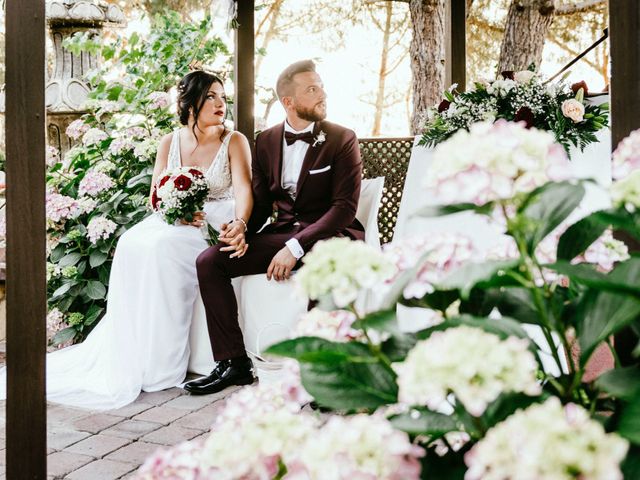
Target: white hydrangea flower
(53, 156)
(342, 267)
(626, 157)
(94, 136)
(121, 145)
(547, 441)
(100, 228)
(158, 99)
(61, 207)
(356, 447)
(253, 447)
(605, 252)
(626, 192)
(494, 161)
(146, 149)
(94, 182)
(334, 326)
(474, 365)
(444, 253)
(76, 129)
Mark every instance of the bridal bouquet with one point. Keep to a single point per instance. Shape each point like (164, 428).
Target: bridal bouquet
(179, 194)
(520, 97)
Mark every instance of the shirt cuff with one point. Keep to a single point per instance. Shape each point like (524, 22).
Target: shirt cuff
(294, 247)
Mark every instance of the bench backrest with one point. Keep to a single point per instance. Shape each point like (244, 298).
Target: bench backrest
(388, 158)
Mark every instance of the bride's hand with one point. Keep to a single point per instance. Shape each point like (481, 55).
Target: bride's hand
(230, 231)
(237, 245)
(198, 220)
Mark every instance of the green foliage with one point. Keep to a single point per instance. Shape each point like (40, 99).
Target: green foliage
(129, 111)
(572, 304)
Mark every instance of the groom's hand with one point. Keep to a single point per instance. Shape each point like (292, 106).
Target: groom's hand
(281, 265)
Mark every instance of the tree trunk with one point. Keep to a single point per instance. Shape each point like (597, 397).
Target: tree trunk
(382, 73)
(427, 56)
(528, 22)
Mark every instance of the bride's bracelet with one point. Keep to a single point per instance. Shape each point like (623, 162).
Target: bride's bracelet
(241, 220)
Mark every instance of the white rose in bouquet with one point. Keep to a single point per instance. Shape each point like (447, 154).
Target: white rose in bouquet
(573, 109)
(524, 76)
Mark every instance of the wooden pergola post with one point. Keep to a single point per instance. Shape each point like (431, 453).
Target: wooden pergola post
(244, 69)
(26, 438)
(455, 44)
(624, 32)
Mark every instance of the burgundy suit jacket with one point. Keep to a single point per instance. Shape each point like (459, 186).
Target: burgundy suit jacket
(327, 192)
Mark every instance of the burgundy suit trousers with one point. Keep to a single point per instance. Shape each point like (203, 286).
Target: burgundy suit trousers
(215, 271)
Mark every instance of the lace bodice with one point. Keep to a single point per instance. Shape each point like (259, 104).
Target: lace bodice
(219, 172)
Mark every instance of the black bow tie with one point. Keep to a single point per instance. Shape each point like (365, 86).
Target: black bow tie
(292, 138)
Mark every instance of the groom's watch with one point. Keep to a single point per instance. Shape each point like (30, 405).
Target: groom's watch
(294, 247)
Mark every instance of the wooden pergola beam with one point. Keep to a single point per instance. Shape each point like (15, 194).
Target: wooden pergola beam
(245, 69)
(624, 32)
(455, 43)
(26, 414)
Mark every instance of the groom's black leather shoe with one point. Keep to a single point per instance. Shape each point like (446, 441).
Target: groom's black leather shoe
(235, 371)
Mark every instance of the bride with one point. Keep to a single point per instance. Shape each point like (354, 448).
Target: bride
(142, 343)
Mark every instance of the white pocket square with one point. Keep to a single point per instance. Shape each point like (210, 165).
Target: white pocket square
(320, 170)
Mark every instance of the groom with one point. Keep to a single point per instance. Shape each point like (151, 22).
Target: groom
(311, 170)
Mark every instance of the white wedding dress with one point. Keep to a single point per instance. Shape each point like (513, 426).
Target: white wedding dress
(142, 342)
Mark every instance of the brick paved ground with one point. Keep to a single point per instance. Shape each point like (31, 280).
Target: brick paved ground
(85, 445)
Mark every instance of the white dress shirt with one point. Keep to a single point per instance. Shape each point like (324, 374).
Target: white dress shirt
(292, 158)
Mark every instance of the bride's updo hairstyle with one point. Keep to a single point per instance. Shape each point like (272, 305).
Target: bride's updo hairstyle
(192, 93)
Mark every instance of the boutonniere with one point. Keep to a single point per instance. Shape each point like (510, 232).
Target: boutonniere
(320, 138)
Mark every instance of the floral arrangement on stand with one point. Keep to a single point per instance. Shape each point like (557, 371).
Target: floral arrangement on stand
(101, 186)
(520, 97)
(468, 396)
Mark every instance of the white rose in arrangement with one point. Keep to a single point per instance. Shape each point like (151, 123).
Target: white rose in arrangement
(494, 161)
(356, 447)
(547, 441)
(501, 87)
(341, 267)
(573, 109)
(474, 365)
(524, 76)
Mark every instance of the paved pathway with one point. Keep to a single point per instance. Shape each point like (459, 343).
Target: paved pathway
(85, 445)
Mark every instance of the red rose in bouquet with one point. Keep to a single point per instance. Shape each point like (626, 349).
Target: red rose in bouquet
(182, 182)
(154, 198)
(181, 193)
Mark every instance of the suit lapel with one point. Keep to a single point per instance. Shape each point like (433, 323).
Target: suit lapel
(276, 146)
(309, 159)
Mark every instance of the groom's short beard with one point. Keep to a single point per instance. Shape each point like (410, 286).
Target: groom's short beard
(310, 114)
